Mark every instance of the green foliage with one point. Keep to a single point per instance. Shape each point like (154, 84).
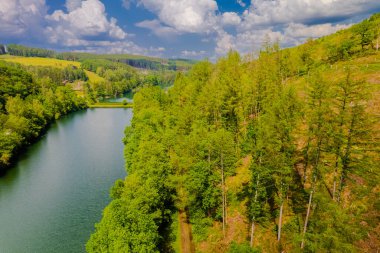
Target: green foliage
(29, 51)
(29, 104)
(185, 144)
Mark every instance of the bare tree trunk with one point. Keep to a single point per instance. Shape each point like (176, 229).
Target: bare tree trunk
(280, 221)
(306, 162)
(252, 232)
(345, 158)
(255, 200)
(307, 216)
(334, 185)
(340, 187)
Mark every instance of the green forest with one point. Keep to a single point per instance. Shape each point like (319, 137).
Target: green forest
(33, 96)
(277, 151)
(274, 151)
(29, 102)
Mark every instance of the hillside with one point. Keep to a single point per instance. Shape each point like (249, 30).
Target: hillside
(49, 62)
(137, 61)
(275, 152)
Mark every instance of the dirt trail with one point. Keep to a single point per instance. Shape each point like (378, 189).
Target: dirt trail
(186, 237)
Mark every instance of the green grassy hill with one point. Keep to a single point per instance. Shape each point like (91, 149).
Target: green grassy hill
(49, 62)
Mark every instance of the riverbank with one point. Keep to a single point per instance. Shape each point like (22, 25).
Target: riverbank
(111, 105)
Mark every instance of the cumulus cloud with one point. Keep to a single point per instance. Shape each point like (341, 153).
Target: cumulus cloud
(224, 43)
(73, 4)
(247, 41)
(22, 18)
(185, 16)
(231, 18)
(88, 20)
(290, 22)
(265, 13)
(84, 26)
(301, 31)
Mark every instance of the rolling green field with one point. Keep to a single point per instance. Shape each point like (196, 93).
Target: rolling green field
(49, 62)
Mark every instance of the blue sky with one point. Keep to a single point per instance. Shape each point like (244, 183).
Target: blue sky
(174, 28)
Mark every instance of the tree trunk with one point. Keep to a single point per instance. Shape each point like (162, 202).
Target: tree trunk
(306, 162)
(307, 216)
(280, 221)
(334, 184)
(252, 232)
(338, 150)
(346, 157)
(255, 200)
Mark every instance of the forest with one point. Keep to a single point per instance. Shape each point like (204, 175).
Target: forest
(30, 101)
(277, 151)
(33, 96)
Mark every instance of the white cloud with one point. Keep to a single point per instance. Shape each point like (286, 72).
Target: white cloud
(88, 20)
(185, 16)
(230, 18)
(269, 13)
(241, 3)
(21, 18)
(85, 26)
(301, 31)
(157, 28)
(109, 47)
(192, 53)
(73, 4)
(224, 43)
(247, 41)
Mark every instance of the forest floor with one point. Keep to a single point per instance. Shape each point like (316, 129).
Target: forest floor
(187, 245)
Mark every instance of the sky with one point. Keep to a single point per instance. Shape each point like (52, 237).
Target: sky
(194, 29)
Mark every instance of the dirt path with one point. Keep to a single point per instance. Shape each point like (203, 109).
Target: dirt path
(186, 237)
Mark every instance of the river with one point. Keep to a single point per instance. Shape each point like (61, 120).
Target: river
(51, 199)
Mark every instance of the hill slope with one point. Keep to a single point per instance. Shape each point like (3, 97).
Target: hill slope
(50, 62)
(277, 153)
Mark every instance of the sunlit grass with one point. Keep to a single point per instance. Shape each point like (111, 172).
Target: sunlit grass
(49, 62)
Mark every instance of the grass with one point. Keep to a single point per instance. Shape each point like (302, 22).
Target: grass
(111, 105)
(49, 62)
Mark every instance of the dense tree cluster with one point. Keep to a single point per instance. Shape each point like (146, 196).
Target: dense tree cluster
(305, 146)
(20, 50)
(140, 212)
(121, 78)
(28, 103)
(359, 40)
